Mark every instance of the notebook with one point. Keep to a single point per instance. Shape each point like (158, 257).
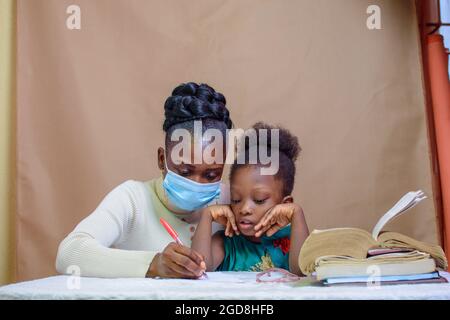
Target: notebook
(367, 279)
(394, 264)
(428, 278)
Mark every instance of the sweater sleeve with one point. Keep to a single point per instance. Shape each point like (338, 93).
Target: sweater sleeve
(87, 248)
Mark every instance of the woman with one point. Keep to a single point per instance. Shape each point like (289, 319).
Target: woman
(123, 236)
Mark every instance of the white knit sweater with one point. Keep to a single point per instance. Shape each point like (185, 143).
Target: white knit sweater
(123, 234)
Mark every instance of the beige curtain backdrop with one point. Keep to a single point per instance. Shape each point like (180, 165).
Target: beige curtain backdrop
(7, 103)
(90, 103)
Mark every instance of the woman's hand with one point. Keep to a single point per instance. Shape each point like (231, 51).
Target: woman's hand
(177, 261)
(223, 215)
(276, 218)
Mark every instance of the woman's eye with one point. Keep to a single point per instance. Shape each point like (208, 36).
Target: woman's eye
(259, 201)
(235, 201)
(184, 173)
(211, 176)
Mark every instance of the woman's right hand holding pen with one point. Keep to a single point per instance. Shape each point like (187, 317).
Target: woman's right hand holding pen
(177, 261)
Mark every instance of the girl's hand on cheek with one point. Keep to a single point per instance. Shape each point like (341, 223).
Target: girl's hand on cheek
(223, 215)
(276, 218)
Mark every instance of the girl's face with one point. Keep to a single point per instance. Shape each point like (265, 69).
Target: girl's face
(252, 195)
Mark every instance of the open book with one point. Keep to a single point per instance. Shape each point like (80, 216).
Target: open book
(356, 249)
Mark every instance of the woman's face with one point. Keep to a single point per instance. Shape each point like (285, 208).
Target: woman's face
(201, 172)
(252, 195)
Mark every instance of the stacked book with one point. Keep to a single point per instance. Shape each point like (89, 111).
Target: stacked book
(351, 256)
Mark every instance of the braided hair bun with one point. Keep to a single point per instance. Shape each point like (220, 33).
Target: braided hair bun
(192, 101)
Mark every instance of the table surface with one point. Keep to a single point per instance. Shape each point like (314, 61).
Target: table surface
(219, 285)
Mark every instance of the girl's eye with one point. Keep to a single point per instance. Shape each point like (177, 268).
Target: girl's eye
(259, 201)
(235, 201)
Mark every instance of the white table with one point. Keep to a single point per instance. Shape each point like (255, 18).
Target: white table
(220, 285)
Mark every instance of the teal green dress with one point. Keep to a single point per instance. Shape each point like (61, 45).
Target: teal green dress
(243, 255)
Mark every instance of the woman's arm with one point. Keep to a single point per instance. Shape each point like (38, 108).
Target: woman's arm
(84, 255)
(87, 247)
(87, 250)
(299, 233)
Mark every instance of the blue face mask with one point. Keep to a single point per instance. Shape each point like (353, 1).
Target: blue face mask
(187, 194)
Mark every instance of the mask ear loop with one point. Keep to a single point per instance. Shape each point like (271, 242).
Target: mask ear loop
(162, 174)
(165, 163)
(287, 276)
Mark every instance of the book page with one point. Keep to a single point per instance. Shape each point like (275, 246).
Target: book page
(398, 240)
(408, 201)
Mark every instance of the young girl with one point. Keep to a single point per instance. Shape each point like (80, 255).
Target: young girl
(264, 227)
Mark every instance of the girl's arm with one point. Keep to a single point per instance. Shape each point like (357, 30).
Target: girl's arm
(201, 242)
(217, 249)
(299, 233)
(211, 248)
(278, 217)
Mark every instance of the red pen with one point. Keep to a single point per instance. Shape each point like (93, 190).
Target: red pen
(171, 231)
(174, 235)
